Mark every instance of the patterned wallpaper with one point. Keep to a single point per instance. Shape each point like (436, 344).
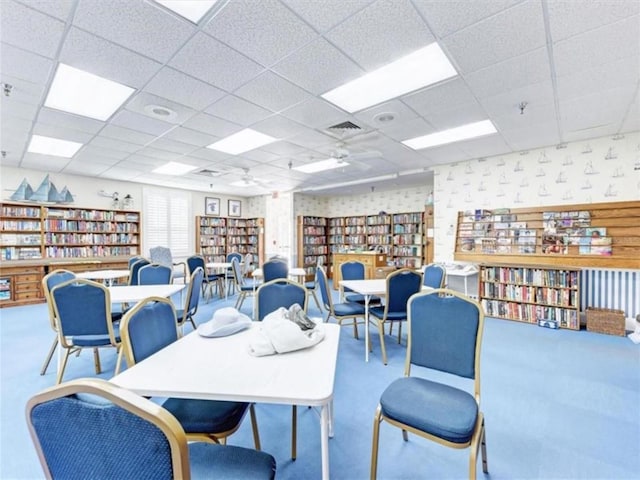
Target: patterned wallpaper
(606, 169)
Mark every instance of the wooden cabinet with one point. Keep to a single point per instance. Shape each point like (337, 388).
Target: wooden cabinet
(313, 244)
(218, 236)
(371, 261)
(531, 294)
(21, 285)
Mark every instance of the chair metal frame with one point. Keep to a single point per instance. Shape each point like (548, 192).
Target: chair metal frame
(66, 340)
(196, 280)
(244, 290)
(128, 353)
(392, 299)
(327, 301)
(478, 438)
(195, 261)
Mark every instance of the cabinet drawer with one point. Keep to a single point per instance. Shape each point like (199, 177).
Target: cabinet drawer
(366, 261)
(25, 287)
(27, 278)
(27, 295)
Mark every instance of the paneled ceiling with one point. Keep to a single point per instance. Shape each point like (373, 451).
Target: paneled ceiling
(265, 63)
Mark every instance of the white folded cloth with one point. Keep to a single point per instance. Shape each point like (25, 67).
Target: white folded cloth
(278, 334)
(224, 322)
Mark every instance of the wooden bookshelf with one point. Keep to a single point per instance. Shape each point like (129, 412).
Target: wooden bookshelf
(407, 251)
(531, 293)
(211, 238)
(313, 246)
(595, 235)
(218, 236)
(379, 233)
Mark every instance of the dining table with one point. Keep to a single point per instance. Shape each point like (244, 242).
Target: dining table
(226, 370)
(106, 276)
(135, 293)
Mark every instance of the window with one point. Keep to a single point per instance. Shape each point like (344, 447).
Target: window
(166, 221)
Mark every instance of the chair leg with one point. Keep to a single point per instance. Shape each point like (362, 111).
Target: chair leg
(96, 361)
(294, 431)
(119, 360)
(483, 446)
(405, 435)
(195, 327)
(315, 298)
(399, 331)
(355, 329)
(382, 347)
(63, 365)
(47, 360)
(254, 427)
(374, 446)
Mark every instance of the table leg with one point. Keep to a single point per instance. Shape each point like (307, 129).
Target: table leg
(331, 418)
(366, 327)
(324, 440)
(465, 286)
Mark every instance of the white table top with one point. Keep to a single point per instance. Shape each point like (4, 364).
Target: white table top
(226, 371)
(293, 272)
(135, 293)
(103, 274)
(374, 286)
(218, 265)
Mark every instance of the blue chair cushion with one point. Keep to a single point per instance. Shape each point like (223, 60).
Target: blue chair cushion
(379, 313)
(310, 285)
(206, 416)
(348, 309)
(209, 460)
(444, 411)
(96, 340)
(357, 298)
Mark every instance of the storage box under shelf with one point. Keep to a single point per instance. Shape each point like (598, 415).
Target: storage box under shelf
(605, 320)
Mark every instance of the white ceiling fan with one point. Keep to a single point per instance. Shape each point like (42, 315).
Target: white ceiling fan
(343, 153)
(248, 180)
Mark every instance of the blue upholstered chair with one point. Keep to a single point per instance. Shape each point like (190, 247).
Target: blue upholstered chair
(91, 428)
(434, 276)
(210, 279)
(49, 281)
(82, 310)
(274, 269)
(270, 296)
(163, 256)
(340, 311)
(154, 274)
(401, 284)
(354, 270)
(134, 269)
(192, 299)
(134, 259)
(152, 325)
(312, 287)
(229, 283)
(445, 334)
(244, 287)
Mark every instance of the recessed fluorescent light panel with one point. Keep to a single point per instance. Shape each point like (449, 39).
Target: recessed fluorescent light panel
(419, 69)
(321, 166)
(192, 10)
(464, 132)
(174, 168)
(53, 146)
(83, 93)
(242, 141)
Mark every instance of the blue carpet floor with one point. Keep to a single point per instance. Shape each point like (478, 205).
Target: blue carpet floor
(558, 405)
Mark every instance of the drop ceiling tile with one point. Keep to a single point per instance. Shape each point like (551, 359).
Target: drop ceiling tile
(590, 133)
(272, 92)
(409, 129)
(140, 27)
(229, 70)
(15, 126)
(127, 135)
(50, 116)
(90, 151)
(448, 17)
(450, 93)
(141, 123)
(144, 160)
(507, 104)
(142, 102)
(211, 155)
(605, 44)
(25, 65)
(315, 113)
(48, 163)
(533, 115)
(311, 139)
(279, 127)
(486, 146)
(61, 133)
(24, 91)
(507, 34)
(456, 116)
(280, 31)
(119, 173)
(56, 8)
(212, 125)
(191, 137)
(326, 14)
(180, 88)
(530, 68)
(238, 111)
(318, 67)
(527, 138)
(261, 156)
(10, 161)
(163, 143)
(12, 108)
(89, 156)
(381, 33)
(398, 110)
(160, 154)
(105, 142)
(77, 167)
(599, 109)
(565, 20)
(284, 148)
(107, 59)
(30, 29)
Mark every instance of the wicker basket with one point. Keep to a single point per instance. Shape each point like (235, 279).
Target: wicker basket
(605, 320)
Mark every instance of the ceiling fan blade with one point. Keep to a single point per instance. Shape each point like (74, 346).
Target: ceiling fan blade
(364, 155)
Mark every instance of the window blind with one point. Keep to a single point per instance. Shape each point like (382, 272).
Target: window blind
(166, 221)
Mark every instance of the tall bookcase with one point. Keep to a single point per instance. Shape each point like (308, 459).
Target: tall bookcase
(407, 239)
(532, 293)
(313, 243)
(379, 233)
(218, 236)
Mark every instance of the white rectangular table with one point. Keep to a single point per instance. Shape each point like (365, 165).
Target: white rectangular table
(462, 272)
(295, 272)
(135, 293)
(107, 276)
(226, 371)
(367, 288)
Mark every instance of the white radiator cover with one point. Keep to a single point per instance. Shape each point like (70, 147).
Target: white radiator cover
(616, 289)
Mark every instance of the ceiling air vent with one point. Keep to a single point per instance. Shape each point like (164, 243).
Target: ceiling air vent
(345, 126)
(209, 173)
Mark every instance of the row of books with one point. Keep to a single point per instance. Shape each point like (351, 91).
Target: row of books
(319, 221)
(407, 239)
(535, 276)
(57, 251)
(407, 228)
(313, 260)
(316, 249)
(31, 225)
(313, 230)
(213, 230)
(314, 241)
(90, 238)
(9, 211)
(20, 253)
(379, 220)
(106, 215)
(530, 313)
(213, 241)
(88, 226)
(522, 293)
(407, 251)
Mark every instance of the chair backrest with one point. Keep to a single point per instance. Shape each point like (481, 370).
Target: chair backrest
(274, 269)
(279, 293)
(323, 285)
(445, 333)
(231, 256)
(82, 307)
(155, 274)
(352, 270)
(237, 274)
(434, 276)
(195, 261)
(148, 327)
(134, 259)
(401, 284)
(134, 268)
(49, 281)
(161, 255)
(91, 428)
(193, 294)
